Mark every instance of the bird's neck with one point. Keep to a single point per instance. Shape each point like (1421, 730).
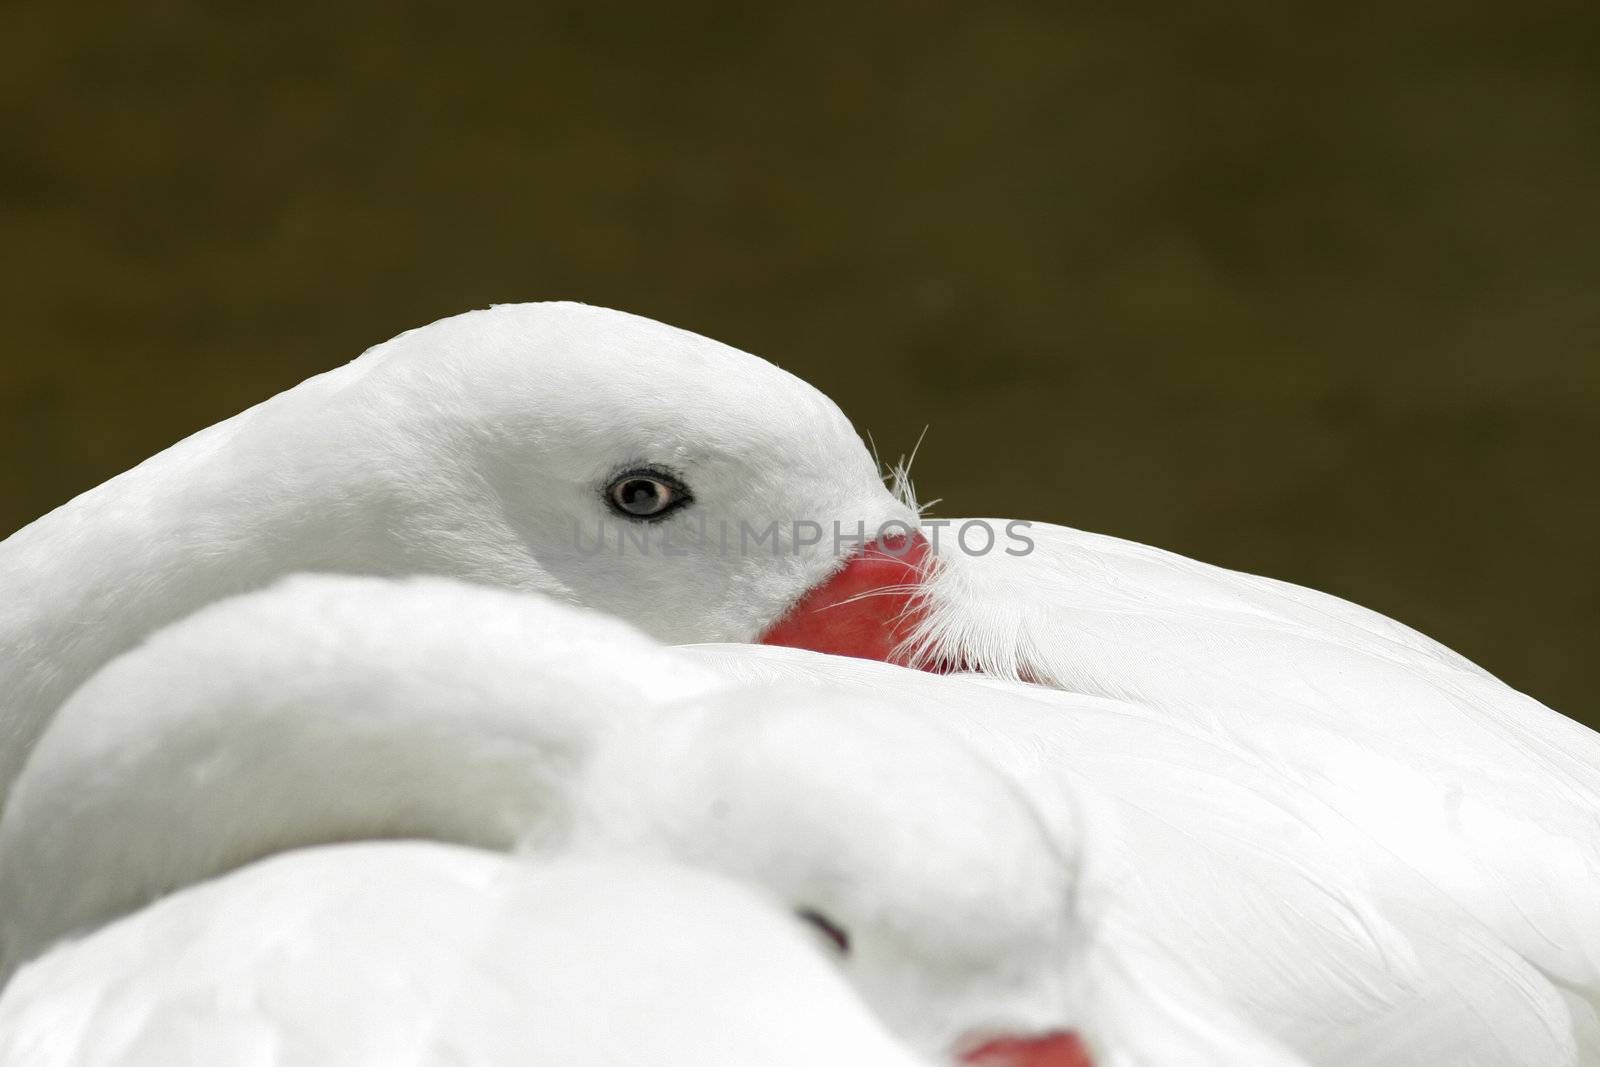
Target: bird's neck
(309, 481)
(149, 783)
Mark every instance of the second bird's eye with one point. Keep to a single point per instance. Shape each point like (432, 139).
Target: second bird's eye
(835, 935)
(645, 494)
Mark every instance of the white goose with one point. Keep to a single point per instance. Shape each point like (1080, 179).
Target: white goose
(1118, 862)
(332, 709)
(370, 955)
(493, 446)
(474, 446)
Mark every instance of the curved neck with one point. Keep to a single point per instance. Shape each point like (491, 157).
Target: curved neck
(323, 709)
(146, 785)
(317, 479)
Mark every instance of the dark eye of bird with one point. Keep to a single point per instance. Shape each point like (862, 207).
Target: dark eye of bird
(835, 934)
(642, 494)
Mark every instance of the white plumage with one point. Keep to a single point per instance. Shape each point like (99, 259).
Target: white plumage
(333, 709)
(1221, 859)
(1201, 898)
(478, 447)
(1485, 793)
(1281, 825)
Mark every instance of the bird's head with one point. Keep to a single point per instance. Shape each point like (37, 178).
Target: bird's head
(926, 874)
(664, 478)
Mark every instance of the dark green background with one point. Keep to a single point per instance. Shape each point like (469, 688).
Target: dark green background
(1309, 294)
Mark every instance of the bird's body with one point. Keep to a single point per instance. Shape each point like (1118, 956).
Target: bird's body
(1484, 792)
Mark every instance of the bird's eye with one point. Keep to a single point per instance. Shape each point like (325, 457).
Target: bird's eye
(836, 936)
(646, 494)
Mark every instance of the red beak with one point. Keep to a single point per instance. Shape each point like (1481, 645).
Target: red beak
(1059, 1049)
(865, 609)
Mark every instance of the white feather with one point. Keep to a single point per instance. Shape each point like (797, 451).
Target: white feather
(1186, 898)
(1482, 791)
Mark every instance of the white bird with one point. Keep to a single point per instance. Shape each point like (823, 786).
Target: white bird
(998, 857)
(375, 954)
(481, 446)
(335, 709)
(497, 446)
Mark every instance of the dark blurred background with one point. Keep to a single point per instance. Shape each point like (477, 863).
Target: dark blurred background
(1307, 293)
